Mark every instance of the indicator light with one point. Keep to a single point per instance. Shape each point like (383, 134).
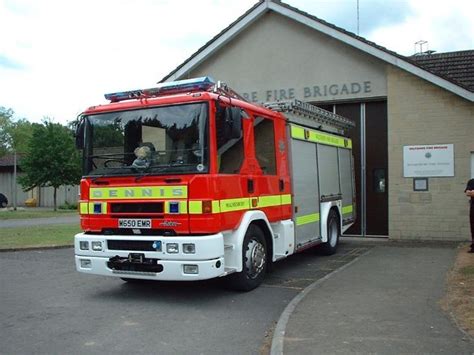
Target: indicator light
(207, 206)
(174, 207)
(98, 208)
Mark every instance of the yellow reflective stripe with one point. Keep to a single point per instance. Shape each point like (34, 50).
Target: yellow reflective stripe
(83, 208)
(347, 209)
(306, 219)
(285, 199)
(298, 132)
(268, 201)
(195, 207)
(238, 204)
(135, 193)
(216, 207)
(235, 204)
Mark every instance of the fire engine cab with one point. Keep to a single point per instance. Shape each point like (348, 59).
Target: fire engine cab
(188, 181)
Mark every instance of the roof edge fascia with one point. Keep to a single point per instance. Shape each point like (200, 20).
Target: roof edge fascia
(367, 48)
(220, 41)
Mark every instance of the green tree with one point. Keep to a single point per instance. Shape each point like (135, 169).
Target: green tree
(51, 158)
(5, 123)
(14, 134)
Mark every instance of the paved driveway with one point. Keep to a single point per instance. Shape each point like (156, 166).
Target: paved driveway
(47, 307)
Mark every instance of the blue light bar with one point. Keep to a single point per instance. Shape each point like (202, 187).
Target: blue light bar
(172, 87)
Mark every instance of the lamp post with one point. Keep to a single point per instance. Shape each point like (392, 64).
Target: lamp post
(15, 187)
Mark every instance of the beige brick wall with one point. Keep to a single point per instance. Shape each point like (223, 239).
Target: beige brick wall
(422, 113)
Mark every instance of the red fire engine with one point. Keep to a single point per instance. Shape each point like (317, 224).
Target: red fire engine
(188, 181)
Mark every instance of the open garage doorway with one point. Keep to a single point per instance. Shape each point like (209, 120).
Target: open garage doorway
(369, 142)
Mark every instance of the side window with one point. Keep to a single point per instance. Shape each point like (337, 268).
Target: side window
(230, 152)
(265, 145)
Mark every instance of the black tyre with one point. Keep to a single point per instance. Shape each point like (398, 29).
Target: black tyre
(3, 201)
(333, 232)
(254, 261)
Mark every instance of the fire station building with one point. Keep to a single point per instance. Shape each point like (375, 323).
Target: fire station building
(414, 136)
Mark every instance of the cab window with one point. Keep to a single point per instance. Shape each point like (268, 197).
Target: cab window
(230, 152)
(265, 144)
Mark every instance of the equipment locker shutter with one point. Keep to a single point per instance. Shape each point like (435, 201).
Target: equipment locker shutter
(328, 168)
(306, 191)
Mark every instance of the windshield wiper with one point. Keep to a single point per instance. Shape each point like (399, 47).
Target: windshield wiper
(160, 168)
(97, 178)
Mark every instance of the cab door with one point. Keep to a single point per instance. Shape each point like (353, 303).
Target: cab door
(267, 188)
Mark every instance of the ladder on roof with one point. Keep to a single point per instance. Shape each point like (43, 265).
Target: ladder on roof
(312, 112)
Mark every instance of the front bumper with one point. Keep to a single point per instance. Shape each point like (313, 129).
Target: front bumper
(208, 257)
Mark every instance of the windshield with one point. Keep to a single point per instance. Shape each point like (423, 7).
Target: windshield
(159, 140)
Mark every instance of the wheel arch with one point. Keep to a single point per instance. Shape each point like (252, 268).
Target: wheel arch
(326, 208)
(233, 240)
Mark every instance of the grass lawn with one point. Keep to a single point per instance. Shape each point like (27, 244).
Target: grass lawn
(460, 296)
(38, 236)
(26, 213)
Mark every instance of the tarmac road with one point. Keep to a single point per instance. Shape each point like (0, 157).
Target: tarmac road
(39, 221)
(47, 307)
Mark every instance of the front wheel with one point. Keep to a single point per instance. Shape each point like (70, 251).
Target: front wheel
(333, 232)
(254, 261)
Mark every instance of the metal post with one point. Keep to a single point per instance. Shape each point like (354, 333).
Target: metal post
(15, 187)
(363, 179)
(357, 17)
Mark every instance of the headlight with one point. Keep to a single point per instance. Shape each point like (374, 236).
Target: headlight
(96, 246)
(83, 245)
(189, 248)
(172, 248)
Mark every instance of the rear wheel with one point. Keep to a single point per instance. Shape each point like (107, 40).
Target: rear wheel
(254, 261)
(333, 233)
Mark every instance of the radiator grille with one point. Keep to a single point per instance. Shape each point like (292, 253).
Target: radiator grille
(135, 245)
(137, 207)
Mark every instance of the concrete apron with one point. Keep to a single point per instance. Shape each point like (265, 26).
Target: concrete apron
(385, 301)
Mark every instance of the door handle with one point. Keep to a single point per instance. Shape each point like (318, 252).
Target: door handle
(250, 186)
(282, 185)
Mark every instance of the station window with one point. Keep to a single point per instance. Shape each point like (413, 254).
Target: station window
(265, 145)
(472, 165)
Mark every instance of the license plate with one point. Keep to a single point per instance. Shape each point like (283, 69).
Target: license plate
(134, 223)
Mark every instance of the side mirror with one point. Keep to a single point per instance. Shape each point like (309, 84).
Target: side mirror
(233, 120)
(79, 134)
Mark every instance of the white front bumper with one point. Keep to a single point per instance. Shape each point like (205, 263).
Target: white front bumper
(209, 257)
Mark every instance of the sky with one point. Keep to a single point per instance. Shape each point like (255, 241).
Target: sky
(59, 57)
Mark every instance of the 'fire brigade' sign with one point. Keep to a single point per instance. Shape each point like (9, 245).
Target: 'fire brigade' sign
(428, 160)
